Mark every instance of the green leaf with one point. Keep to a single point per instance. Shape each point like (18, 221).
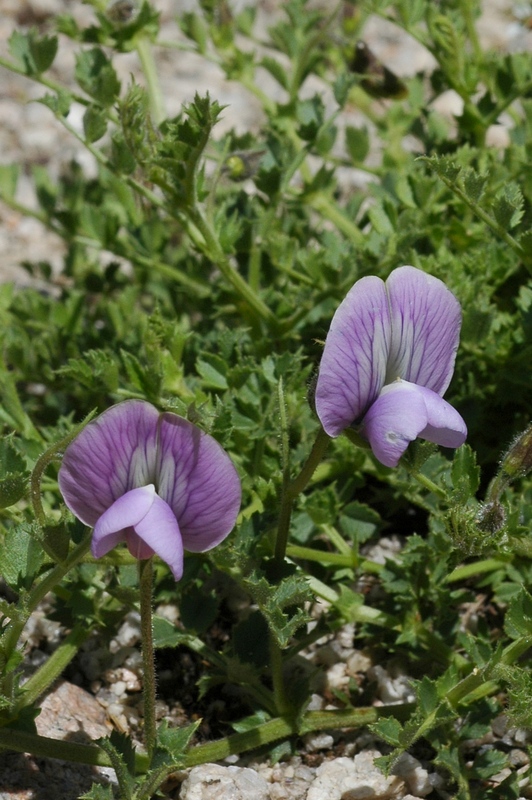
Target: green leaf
(283, 605)
(357, 143)
(508, 207)
(9, 175)
(35, 53)
(96, 76)
(210, 372)
(474, 184)
(98, 792)
(275, 69)
(389, 729)
(174, 742)
(59, 103)
(518, 619)
(94, 123)
(465, 474)
(43, 50)
(198, 609)
(195, 28)
(13, 473)
(21, 556)
(310, 116)
(427, 694)
(486, 764)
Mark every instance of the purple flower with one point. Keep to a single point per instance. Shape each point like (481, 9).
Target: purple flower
(387, 361)
(153, 480)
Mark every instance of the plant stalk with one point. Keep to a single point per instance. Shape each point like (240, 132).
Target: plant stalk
(148, 658)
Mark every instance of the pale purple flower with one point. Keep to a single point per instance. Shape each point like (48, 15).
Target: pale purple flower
(152, 480)
(387, 361)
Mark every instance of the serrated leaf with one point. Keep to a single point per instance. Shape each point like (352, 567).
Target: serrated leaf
(35, 53)
(96, 76)
(275, 69)
(175, 741)
(21, 556)
(357, 143)
(98, 792)
(508, 207)
(165, 634)
(94, 123)
(474, 184)
(465, 473)
(211, 376)
(389, 729)
(427, 694)
(518, 619)
(283, 604)
(59, 103)
(43, 51)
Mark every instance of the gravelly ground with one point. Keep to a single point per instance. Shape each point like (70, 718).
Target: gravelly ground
(30, 135)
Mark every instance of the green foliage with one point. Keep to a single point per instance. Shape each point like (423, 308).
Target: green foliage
(201, 271)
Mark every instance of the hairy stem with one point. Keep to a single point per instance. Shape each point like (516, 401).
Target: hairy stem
(148, 660)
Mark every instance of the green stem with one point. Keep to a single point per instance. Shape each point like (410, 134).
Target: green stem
(148, 658)
(282, 728)
(426, 482)
(213, 250)
(466, 571)
(328, 209)
(41, 680)
(276, 667)
(43, 462)
(12, 66)
(43, 747)
(293, 489)
(46, 584)
(145, 53)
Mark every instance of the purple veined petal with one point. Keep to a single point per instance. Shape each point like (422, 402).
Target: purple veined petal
(394, 420)
(126, 512)
(158, 532)
(114, 453)
(425, 321)
(444, 426)
(403, 412)
(353, 365)
(199, 482)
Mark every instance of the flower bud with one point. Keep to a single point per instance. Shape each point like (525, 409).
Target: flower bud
(518, 460)
(491, 517)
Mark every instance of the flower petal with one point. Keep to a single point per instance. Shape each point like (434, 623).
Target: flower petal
(404, 411)
(198, 481)
(113, 454)
(425, 320)
(126, 512)
(444, 426)
(394, 420)
(158, 532)
(353, 364)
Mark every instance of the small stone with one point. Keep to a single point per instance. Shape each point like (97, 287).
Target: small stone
(119, 688)
(129, 632)
(68, 711)
(415, 776)
(318, 741)
(214, 782)
(354, 779)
